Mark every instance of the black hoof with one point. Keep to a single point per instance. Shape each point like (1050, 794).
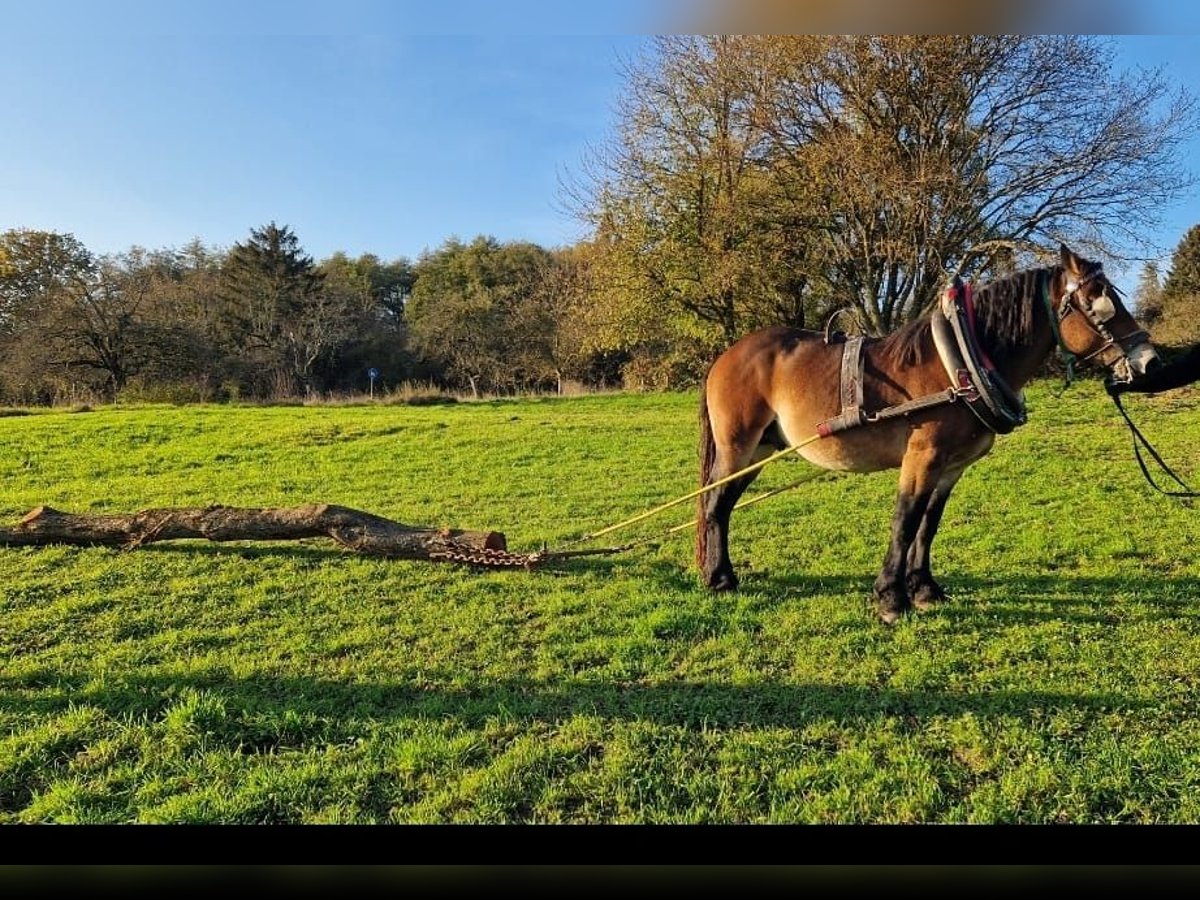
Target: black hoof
(925, 594)
(892, 605)
(723, 581)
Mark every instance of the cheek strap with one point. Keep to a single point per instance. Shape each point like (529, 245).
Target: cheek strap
(1064, 354)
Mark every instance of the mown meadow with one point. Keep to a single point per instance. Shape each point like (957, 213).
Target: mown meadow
(194, 682)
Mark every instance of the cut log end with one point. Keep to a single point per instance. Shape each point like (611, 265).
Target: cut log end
(488, 540)
(38, 512)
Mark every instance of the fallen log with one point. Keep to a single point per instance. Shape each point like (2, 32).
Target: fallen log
(350, 528)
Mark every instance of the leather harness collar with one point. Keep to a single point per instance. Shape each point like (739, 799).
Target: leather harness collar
(967, 364)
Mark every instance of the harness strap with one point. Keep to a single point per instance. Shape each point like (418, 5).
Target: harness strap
(967, 365)
(949, 395)
(852, 414)
(1068, 358)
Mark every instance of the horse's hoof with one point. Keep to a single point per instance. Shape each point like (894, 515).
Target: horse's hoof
(928, 597)
(723, 581)
(892, 605)
(923, 592)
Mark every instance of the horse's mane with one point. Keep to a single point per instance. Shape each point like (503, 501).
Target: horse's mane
(1004, 316)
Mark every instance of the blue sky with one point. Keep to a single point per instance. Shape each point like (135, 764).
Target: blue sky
(364, 131)
(380, 144)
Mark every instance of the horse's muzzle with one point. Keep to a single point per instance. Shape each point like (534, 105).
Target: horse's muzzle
(1140, 360)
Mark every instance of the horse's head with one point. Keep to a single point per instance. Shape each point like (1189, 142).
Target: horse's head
(1093, 322)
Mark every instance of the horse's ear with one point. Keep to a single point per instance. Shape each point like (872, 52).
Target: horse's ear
(1069, 261)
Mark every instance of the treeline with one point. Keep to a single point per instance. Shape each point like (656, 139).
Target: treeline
(750, 180)
(263, 320)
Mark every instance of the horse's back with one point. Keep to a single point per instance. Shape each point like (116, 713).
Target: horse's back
(773, 361)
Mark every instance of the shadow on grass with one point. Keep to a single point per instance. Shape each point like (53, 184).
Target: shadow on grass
(1025, 599)
(317, 550)
(1022, 600)
(344, 705)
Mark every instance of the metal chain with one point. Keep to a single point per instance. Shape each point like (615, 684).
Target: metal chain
(452, 551)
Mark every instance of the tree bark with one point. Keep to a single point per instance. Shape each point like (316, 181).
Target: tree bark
(354, 530)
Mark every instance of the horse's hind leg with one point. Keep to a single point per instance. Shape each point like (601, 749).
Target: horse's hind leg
(715, 509)
(725, 448)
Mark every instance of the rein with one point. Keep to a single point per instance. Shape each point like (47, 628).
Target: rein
(1139, 438)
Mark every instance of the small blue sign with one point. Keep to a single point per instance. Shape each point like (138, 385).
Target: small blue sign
(372, 373)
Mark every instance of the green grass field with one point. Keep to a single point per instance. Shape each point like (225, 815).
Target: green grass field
(194, 682)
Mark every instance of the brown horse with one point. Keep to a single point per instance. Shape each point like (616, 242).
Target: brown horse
(928, 399)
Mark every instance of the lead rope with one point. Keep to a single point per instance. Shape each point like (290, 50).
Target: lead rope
(753, 467)
(654, 539)
(1138, 437)
(447, 549)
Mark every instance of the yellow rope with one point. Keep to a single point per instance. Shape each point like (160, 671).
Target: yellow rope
(757, 498)
(704, 490)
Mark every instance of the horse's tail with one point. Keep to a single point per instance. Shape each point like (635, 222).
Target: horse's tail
(708, 456)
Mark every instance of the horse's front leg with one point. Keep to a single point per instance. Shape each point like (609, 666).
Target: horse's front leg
(919, 476)
(923, 590)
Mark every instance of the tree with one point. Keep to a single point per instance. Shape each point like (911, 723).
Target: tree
(101, 325)
(1147, 296)
(39, 271)
(376, 334)
(272, 302)
(864, 170)
(88, 320)
(35, 268)
(681, 202)
(475, 311)
(1183, 277)
(1178, 315)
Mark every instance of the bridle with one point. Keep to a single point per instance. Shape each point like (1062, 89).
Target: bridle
(1112, 352)
(1096, 314)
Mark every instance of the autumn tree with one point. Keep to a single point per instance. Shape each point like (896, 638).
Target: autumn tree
(190, 308)
(967, 153)
(39, 271)
(104, 327)
(862, 170)
(35, 268)
(682, 204)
